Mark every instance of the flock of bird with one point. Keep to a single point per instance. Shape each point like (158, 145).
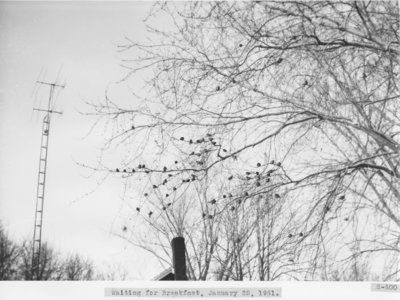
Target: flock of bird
(257, 176)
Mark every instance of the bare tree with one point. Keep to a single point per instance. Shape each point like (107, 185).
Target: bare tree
(9, 256)
(77, 268)
(50, 266)
(262, 98)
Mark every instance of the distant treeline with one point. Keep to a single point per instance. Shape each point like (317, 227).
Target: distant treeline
(16, 263)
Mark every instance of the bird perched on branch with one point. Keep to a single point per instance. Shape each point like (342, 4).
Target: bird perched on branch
(150, 213)
(213, 201)
(137, 209)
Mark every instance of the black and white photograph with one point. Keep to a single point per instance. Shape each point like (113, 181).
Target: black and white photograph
(255, 142)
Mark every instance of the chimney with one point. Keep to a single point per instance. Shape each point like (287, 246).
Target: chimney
(179, 258)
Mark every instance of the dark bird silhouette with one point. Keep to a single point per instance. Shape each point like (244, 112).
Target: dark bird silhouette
(246, 194)
(218, 88)
(165, 182)
(200, 162)
(346, 219)
(305, 83)
(143, 166)
(290, 235)
(258, 165)
(278, 164)
(204, 215)
(147, 172)
(224, 150)
(272, 162)
(230, 177)
(232, 208)
(213, 201)
(145, 194)
(167, 195)
(150, 213)
(341, 197)
(124, 228)
(248, 173)
(165, 169)
(258, 183)
(176, 162)
(133, 170)
(210, 217)
(174, 188)
(190, 141)
(169, 204)
(154, 186)
(257, 173)
(240, 45)
(224, 196)
(133, 127)
(137, 209)
(124, 170)
(116, 170)
(277, 196)
(279, 60)
(301, 234)
(164, 208)
(291, 260)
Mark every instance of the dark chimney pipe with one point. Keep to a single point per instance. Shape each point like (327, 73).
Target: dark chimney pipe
(179, 258)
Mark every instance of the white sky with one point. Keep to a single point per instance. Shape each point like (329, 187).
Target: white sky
(80, 37)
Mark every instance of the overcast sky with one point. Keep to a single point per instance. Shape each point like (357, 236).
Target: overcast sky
(79, 40)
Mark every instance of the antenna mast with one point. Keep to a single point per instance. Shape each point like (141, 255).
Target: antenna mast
(36, 272)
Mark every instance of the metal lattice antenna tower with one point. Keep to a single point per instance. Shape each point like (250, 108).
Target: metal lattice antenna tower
(37, 230)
